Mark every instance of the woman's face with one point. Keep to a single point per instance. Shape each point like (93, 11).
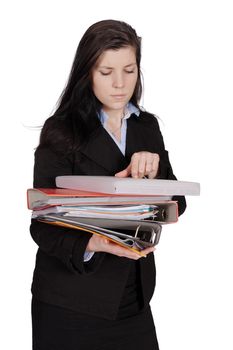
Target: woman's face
(114, 78)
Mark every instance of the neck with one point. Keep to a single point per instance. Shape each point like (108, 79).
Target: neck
(114, 115)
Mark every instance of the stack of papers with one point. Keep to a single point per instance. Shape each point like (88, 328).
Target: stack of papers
(129, 185)
(132, 212)
(128, 211)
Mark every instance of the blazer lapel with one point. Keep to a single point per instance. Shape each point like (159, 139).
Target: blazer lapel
(140, 136)
(101, 149)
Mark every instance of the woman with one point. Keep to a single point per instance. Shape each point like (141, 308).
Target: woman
(89, 293)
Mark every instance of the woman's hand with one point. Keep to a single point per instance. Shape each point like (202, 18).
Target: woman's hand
(142, 164)
(102, 244)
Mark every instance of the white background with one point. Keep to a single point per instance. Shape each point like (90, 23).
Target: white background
(187, 66)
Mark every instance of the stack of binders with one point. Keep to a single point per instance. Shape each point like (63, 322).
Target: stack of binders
(127, 211)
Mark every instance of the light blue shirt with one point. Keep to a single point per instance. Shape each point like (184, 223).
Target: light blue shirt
(129, 110)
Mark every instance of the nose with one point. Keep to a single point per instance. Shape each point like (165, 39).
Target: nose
(118, 80)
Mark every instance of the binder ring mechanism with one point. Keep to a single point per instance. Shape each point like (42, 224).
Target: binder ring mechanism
(148, 235)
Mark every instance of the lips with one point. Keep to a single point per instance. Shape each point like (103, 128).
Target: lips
(118, 96)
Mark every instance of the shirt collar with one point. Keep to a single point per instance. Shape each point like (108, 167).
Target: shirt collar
(129, 110)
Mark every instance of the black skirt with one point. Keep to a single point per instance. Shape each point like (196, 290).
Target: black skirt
(57, 328)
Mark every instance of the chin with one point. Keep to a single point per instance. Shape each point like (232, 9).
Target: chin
(119, 105)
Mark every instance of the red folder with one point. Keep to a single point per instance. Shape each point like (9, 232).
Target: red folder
(38, 198)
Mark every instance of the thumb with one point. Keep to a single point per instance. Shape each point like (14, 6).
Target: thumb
(124, 173)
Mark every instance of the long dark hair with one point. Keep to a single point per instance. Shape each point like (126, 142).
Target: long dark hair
(75, 117)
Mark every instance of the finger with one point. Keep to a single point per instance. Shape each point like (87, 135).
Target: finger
(147, 250)
(149, 165)
(142, 165)
(152, 174)
(155, 168)
(116, 249)
(124, 173)
(135, 165)
(155, 162)
(124, 252)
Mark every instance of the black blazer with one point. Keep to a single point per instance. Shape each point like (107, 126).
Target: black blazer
(60, 276)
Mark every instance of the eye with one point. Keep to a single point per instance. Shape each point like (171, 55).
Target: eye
(105, 73)
(129, 71)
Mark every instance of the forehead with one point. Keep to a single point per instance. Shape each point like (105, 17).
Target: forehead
(123, 56)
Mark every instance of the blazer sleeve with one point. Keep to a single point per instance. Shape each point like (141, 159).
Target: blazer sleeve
(67, 245)
(165, 168)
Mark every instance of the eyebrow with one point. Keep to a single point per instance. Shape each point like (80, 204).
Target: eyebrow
(128, 65)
